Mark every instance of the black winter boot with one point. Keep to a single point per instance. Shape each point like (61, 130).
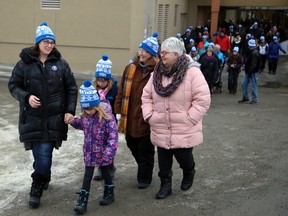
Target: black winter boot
(46, 180)
(81, 204)
(36, 189)
(46, 183)
(187, 181)
(108, 196)
(166, 186)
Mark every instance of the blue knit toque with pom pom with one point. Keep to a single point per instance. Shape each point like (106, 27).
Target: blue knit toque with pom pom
(103, 68)
(44, 32)
(88, 95)
(252, 43)
(150, 44)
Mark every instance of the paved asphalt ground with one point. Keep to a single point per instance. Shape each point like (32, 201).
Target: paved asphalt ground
(242, 166)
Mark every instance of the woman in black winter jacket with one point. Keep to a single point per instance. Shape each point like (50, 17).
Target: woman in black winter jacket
(209, 67)
(45, 87)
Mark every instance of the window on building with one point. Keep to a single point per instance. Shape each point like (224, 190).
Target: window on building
(50, 4)
(160, 22)
(176, 15)
(166, 21)
(163, 21)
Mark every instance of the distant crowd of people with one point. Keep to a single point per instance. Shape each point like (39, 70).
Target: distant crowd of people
(232, 45)
(229, 37)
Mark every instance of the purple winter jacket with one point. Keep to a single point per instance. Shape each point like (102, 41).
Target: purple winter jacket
(100, 139)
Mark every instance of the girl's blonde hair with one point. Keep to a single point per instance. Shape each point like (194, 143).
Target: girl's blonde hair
(100, 113)
(109, 86)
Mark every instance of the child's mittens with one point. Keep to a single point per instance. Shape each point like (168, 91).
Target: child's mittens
(118, 117)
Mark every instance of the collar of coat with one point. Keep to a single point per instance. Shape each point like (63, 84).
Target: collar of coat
(29, 56)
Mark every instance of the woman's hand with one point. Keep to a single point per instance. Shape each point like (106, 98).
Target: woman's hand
(34, 101)
(68, 119)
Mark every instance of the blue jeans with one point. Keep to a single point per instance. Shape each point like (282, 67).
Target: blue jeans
(42, 153)
(251, 78)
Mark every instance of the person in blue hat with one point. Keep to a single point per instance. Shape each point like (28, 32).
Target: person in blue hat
(209, 66)
(128, 109)
(104, 82)
(273, 55)
(202, 45)
(100, 143)
(252, 66)
(255, 31)
(186, 39)
(234, 63)
(45, 87)
(237, 42)
(231, 33)
(263, 50)
(207, 34)
(194, 54)
(178, 35)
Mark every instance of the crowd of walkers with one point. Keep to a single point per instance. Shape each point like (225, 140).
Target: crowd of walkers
(157, 100)
(231, 48)
(236, 35)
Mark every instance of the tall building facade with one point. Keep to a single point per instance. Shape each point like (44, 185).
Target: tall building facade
(87, 29)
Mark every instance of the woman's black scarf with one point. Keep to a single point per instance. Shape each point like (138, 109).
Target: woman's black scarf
(178, 71)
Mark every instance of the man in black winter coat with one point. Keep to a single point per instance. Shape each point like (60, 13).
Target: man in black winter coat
(252, 66)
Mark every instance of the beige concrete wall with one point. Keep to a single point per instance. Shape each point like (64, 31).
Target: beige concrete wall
(17, 21)
(84, 30)
(193, 12)
(87, 29)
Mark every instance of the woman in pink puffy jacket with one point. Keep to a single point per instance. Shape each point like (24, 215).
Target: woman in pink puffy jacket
(174, 102)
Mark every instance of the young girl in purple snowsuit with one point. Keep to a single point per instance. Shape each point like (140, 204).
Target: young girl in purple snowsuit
(100, 143)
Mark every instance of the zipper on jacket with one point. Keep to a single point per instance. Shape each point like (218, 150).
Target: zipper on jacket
(44, 103)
